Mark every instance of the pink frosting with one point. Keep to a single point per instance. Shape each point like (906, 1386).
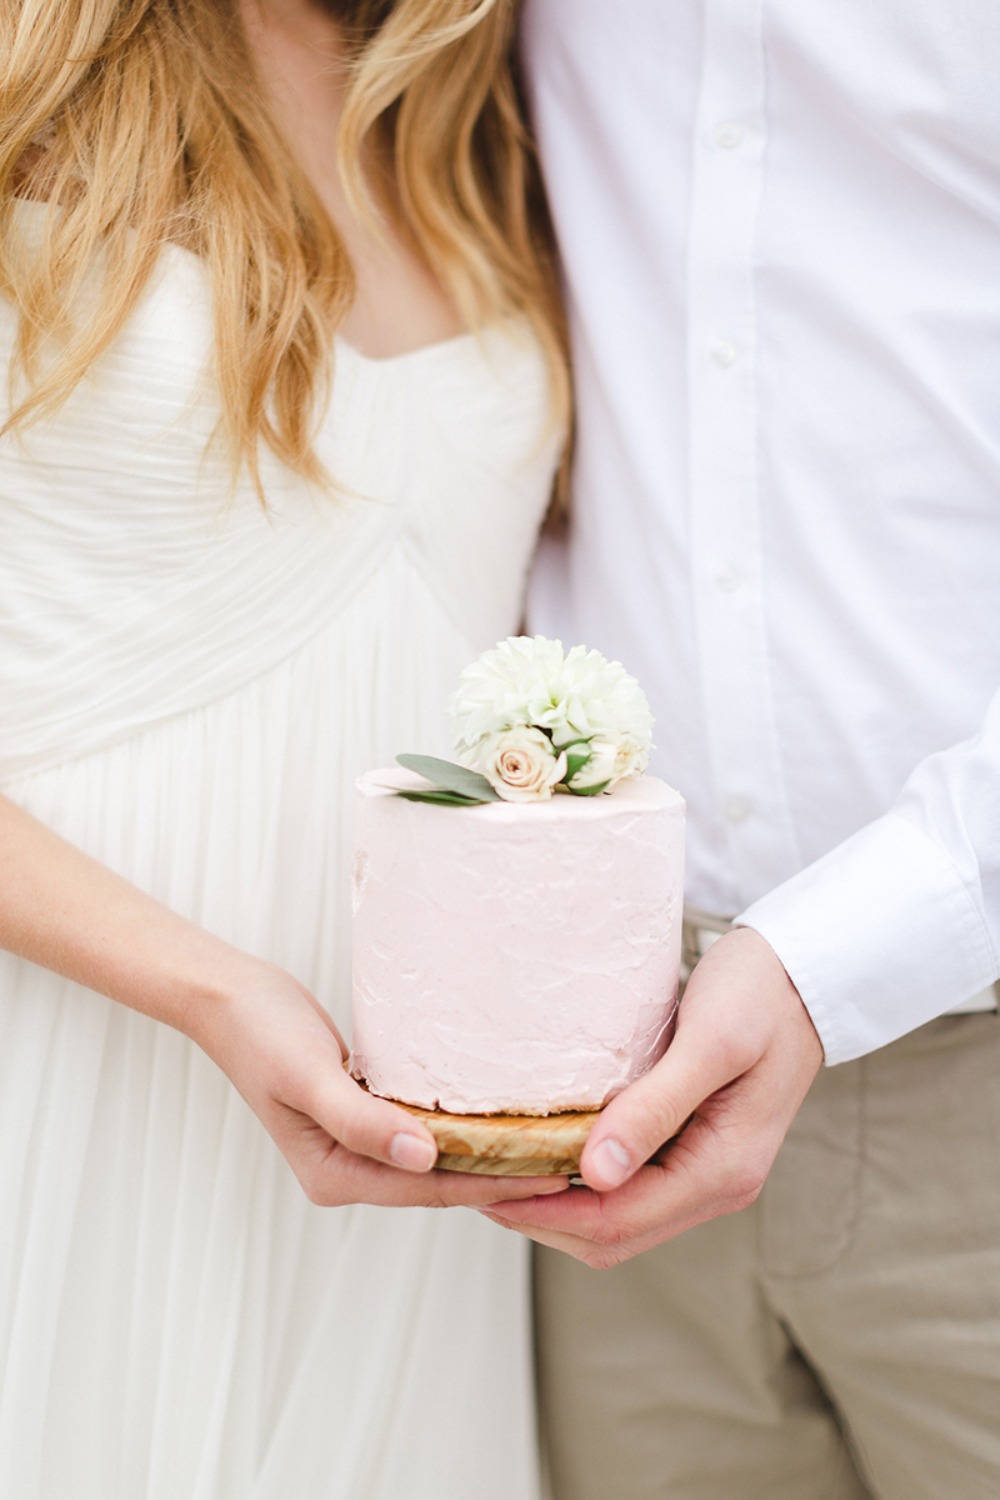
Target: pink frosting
(514, 957)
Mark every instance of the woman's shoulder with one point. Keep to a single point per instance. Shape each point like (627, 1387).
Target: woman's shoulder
(165, 345)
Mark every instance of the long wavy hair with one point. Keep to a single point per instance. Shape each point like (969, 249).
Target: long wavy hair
(142, 121)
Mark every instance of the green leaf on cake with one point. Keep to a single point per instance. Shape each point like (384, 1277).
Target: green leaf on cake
(451, 784)
(588, 791)
(442, 798)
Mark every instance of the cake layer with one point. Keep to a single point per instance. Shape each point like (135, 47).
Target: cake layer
(510, 957)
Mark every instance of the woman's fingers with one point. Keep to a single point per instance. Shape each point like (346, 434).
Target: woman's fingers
(369, 1126)
(348, 1146)
(343, 1144)
(285, 1055)
(332, 1175)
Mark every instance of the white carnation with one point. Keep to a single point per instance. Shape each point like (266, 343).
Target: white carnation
(600, 698)
(498, 690)
(529, 680)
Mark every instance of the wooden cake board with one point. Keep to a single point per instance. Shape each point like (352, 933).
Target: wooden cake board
(504, 1145)
(508, 1145)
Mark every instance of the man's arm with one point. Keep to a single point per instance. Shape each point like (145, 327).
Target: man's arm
(902, 921)
(887, 931)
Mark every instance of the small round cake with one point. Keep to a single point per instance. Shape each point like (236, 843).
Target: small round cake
(513, 957)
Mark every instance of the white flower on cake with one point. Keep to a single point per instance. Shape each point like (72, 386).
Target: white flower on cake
(610, 762)
(505, 988)
(522, 763)
(530, 680)
(531, 719)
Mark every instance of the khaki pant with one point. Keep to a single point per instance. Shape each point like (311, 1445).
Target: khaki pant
(840, 1340)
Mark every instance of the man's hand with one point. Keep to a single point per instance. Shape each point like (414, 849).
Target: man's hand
(741, 1062)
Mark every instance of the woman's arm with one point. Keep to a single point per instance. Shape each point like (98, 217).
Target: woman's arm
(63, 910)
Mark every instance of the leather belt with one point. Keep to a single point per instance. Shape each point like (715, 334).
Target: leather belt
(700, 929)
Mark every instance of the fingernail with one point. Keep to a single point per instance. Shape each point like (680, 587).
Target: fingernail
(412, 1152)
(612, 1161)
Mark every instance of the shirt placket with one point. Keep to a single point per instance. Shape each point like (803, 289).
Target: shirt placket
(726, 553)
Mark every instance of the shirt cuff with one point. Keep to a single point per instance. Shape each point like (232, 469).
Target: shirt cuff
(878, 936)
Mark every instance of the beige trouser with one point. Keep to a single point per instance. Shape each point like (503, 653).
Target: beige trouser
(840, 1340)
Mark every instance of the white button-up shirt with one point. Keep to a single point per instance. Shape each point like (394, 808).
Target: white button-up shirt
(780, 227)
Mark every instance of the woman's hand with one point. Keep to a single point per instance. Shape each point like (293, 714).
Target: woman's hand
(63, 910)
(285, 1056)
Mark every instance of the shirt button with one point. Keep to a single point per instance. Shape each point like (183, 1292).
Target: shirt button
(724, 354)
(736, 809)
(729, 134)
(727, 578)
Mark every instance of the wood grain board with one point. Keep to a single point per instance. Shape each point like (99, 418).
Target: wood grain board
(508, 1145)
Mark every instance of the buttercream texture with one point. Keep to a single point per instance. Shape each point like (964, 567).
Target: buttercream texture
(514, 958)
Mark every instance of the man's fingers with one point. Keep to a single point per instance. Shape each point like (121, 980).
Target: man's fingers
(469, 1190)
(569, 1244)
(742, 1059)
(701, 1177)
(634, 1126)
(595, 1228)
(606, 1221)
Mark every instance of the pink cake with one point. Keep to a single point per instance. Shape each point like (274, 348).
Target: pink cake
(514, 957)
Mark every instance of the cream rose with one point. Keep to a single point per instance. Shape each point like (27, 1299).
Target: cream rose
(610, 762)
(520, 764)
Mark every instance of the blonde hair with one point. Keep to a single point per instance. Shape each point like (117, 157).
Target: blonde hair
(141, 121)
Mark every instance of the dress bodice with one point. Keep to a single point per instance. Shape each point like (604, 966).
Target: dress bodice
(189, 684)
(137, 582)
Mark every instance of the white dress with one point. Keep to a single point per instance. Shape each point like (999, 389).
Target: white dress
(188, 687)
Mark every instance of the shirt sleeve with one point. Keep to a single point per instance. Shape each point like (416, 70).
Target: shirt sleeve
(901, 921)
